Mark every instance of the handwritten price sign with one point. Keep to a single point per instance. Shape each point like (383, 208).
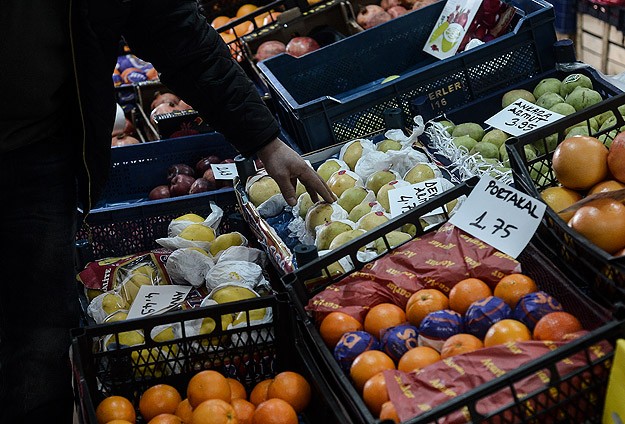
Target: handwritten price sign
(522, 117)
(157, 299)
(224, 171)
(405, 198)
(499, 215)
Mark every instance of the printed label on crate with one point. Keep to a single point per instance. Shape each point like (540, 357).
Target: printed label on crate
(152, 300)
(499, 215)
(403, 199)
(451, 27)
(447, 95)
(224, 171)
(522, 117)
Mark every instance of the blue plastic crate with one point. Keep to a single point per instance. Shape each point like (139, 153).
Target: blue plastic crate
(334, 94)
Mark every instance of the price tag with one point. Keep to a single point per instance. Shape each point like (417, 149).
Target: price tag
(224, 171)
(157, 299)
(499, 215)
(403, 199)
(522, 117)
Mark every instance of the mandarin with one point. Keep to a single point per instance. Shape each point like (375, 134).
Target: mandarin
(467, 291)
(417, 358)
(460, 343)
(506, 330)
(605, 186)
(115, 408)
(375, 394)
(214, 411)
(555, 326)
(368, 364)
(513, 287)
(292, 388)
(274, 411)
(559, 198)
(259, 392)
(166, 419)
(205, 385)
(184, 410)
(389, 412)
(424, 301)
(237, 390)
(383, 316)
(159, 399)
(335, 324)
(244, 410)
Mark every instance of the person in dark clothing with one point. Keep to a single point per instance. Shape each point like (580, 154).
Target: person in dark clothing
(56, 62)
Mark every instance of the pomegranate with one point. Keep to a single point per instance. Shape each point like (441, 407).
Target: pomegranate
(269, 49)
(299, 46)
(372, 15)
(387, 4)
(396, 11)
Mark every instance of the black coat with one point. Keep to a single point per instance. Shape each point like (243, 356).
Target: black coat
(192, 60)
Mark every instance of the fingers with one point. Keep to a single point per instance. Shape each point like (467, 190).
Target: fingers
(287, 188)
(316, 185)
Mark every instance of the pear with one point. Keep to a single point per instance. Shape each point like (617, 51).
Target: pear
(410, 229)
(359, 211)
(418, 173)
(394, 238)
(305, 202)
(345, 237)
(262, 189)
(225, 241)
(386, 145)
(372, 220)
(352, 154)
(378, 179)
(328, 168)
(352, 197)
(340, 181)
(318, 214)
(382, 196)
(328, 232)
(299, 189)
(334, 269)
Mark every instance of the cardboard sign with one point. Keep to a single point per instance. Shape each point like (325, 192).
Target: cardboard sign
(499, 215)
(157, 299)
(522, 117)
(403, 199)
(224, 171)
(452, 25)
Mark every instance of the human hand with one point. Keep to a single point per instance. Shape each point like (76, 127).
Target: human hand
(285, 166)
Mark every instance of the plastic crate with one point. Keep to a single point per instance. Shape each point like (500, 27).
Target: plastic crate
(334, 94)
(249, 354)
(548, 277)
(607, 273)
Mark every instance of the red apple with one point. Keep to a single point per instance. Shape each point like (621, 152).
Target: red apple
(199, 186)
(159, 192)
(179, 168)
(181, 184)
(269, 49)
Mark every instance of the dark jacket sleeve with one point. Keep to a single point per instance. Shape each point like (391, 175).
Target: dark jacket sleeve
(196, 64)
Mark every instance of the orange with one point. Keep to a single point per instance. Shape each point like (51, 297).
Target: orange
(292, 388)
(389, 412)
(368, 364)
(120, 422)
(335, 324)
(259, 392)
(274, 411)
(559, 198)
(460, 343)
(206, 385)
(159, 399)
(417, 358)
(506, 330)
(383, 316)
(607, 185)
(271, 17)
(374, 393)
(246, 9)
(602, 221)
(555, 325)
(424, 301)
(244, 410)
(166, 419)
(184, 411)
(214, 411)
(220, 21)
(580, 162)
(241, 29)
(467, 291)
(237, 390)
(115, 408)
(513, 287)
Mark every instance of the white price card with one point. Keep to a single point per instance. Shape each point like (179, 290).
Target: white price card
(157, 299)
(521, 117)
(224, 171)
(499, 215)
(403, 199)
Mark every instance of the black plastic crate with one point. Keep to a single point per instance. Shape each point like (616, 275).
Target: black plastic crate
(307, 281)
(335, 94)
(604, 11)
(249, 354)
(607, 273)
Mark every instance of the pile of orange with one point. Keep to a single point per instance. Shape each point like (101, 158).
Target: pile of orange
(367, 369)
(212, 398)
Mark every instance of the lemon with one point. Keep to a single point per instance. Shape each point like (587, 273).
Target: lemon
(198, 232)
(190, 217)
(225, 241)
(199, 249)
(232, 294)
(112, 302)
(116, 316)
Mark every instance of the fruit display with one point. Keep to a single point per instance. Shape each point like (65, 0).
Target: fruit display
(475, 148)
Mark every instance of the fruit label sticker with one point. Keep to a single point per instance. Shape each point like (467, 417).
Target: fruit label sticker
(402, 199)
(152, 300)
(451, 27)
(224, 171)
(521, 117)
(499, 215)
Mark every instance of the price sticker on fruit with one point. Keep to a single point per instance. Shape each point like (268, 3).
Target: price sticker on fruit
(403, 199)
(521, 117)
(499, 215)
(152, 300)
(224, 171)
